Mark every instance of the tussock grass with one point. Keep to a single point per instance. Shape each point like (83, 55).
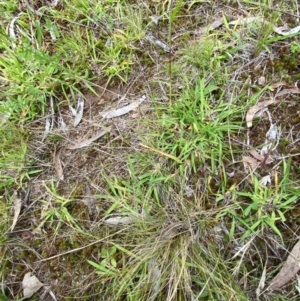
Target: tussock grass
(163, 207)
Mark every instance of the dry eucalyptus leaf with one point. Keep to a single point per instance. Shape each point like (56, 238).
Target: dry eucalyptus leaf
(297, 286)
(245, 21)
(73, 111)
(30, 285)
(61, 124)
(284, 32)
(87, 142)
(57, 164)
(289, 270)
(79, 111)
(273, 132)
(11, 31)
(262, 283)
(32, 9)
(249, 163)
(4, 117)
(119, 220)
(155, 275)
(17, 210)
(255, 109)
(124, 110)
(47, 127)
(54, 3)
(265, 180)
(288, 91)
(152, 39)
(279, 84)
(259, 157)
(215, 24)
(49, 120)
(256, 155)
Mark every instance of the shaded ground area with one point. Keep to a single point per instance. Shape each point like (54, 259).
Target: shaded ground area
(188, 201)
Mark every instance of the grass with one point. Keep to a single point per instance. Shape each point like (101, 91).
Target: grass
(164, 206)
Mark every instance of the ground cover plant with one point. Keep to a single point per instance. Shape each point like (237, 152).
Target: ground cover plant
(149, 150)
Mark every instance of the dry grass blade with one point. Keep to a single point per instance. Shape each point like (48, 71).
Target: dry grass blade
(162, 153)
(289, 269)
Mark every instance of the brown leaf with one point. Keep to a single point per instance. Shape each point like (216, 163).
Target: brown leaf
(288, 270)
(57, 164)
(253, 110)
